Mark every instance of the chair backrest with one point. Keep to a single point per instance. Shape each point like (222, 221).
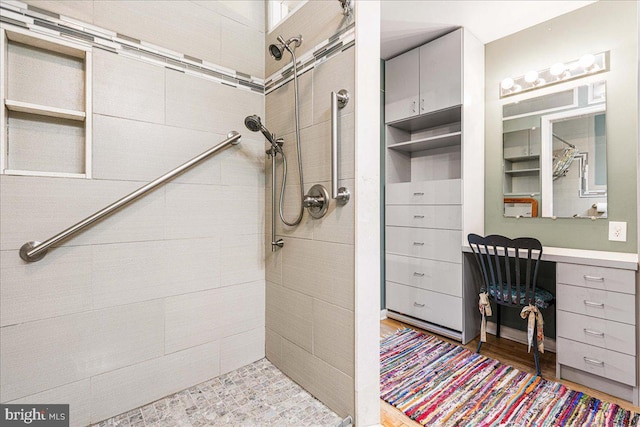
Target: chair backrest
(510, 266)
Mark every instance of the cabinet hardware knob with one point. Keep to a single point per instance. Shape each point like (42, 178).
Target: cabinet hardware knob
(418, 216)
(594, 304)
(594, 333)
(418, 304)
(593, 361)
(594, 278)
(415, 273)
(418, 194)
(418, 243)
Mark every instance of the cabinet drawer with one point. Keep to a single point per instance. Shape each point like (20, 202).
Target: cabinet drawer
(614, 336)
(609, 279)
(439, 276)
(594, 302)
(441, 192)
(430, 306)
(605, 363)
(439, 245)
(446, 217)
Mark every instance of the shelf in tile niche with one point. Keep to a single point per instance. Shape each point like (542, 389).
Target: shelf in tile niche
(530, 171)
(428, 143)
(44, 110)
(522, 194)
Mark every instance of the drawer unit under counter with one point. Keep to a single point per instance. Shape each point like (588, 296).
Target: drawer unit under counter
(599, 361)
(437, 192)
(438, 276)
(440, 309)
(425, 216)
(609, 279)
(439, 245)
(607, 305)
(606, 334)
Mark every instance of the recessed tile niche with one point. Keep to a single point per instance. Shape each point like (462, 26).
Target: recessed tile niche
(46, 112)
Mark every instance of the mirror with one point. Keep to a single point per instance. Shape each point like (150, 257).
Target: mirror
(554, 151)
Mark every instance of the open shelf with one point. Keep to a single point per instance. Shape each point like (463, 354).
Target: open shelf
(530, 171)
(429, 120)
(43, 110)
(531, 194)
(428, 143)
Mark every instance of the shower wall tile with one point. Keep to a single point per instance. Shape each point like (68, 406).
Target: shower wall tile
(49, 353)
(77, 395)
(242, 47)
(57, 285)
(164, 23)
(338, 225)
(138, 151)
(78, 9)
(242, 11)
(316, 155)
(316, 21)
(280, 106)
(193, 211)
(35, 208)
(331, 386)
(196, 103)
(273, 260)
(241, 349)
(124, 87)
(273, 347)
(289, 314)
(302, 258)
(202, 317)
(292, 202)
(243, 260)
(331, 76)
(335, 349)
(170, 268)
(118, 391)
(241, 211)
(243, 164)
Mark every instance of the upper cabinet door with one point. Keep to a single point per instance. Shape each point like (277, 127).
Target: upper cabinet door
(441, 73)
(402, 86)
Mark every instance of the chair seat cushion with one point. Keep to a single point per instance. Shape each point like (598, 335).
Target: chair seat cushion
(542, 297)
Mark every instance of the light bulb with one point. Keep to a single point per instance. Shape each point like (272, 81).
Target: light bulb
(507, 83)
(587, 61)
(557, 69)
(531, 76)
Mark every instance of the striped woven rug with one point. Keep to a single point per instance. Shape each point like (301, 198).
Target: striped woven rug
(441, 384)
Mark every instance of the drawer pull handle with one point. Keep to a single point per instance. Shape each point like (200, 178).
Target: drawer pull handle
(594, 304)
(594, 333)
(418, 194)
(415, 273)
(418, 243)
(418, 216)
(418, 304)
(594, 278)
(593, 361)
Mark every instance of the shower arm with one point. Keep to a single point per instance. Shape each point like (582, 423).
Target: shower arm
(35, 251)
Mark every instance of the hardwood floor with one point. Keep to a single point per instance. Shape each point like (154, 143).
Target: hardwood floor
(506, 351)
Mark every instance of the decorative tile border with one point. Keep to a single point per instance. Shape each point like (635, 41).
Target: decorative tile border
(13, 12)
(34, 19)
(339, 42)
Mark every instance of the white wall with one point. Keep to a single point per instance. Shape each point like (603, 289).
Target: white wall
(169, 291)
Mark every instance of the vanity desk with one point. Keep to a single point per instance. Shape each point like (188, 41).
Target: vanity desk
(596, 319)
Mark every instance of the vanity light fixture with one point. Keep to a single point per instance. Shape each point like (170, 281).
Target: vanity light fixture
(587, 65)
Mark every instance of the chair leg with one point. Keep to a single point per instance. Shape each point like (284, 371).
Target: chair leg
(479, 345)
(498, 320)
(536, 355)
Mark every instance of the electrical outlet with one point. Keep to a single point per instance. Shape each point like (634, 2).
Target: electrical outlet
(618, 231)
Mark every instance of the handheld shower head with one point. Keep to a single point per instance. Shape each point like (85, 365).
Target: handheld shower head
(254, 124)
(277, 50)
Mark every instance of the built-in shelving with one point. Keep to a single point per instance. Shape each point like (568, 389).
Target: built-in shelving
(44, 110)
(428, 143)
(530, 171)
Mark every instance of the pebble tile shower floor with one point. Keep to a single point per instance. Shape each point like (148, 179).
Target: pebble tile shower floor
(254, 395)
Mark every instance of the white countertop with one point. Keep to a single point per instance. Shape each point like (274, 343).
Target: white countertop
(622, 260)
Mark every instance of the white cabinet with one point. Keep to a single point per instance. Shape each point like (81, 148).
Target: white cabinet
(434, 193)
(596, 318)
(425, 79)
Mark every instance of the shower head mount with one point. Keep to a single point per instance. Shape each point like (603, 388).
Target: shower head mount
(254, 124)
(276, 50)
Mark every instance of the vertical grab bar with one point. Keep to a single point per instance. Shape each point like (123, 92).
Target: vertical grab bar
(338, 100)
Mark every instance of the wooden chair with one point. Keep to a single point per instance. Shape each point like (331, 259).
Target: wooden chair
(509, 269)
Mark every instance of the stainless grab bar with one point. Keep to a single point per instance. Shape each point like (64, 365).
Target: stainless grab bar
(35, 251)
(338, 100)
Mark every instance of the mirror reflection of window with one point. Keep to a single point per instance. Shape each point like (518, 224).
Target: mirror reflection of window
(278, 10)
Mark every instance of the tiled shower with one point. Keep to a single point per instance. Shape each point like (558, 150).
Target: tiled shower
(181, 286)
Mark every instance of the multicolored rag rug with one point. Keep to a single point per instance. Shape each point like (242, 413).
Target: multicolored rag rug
(441, 384)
